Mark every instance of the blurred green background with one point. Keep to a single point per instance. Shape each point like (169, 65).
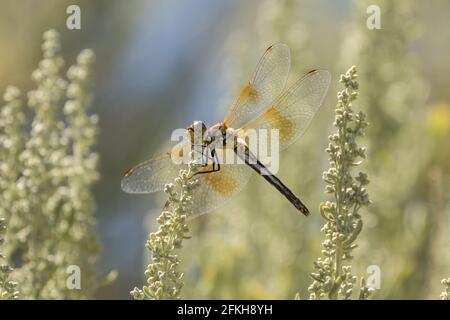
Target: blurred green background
(162, 64)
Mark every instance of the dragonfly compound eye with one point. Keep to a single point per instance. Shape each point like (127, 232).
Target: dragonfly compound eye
(197, 131)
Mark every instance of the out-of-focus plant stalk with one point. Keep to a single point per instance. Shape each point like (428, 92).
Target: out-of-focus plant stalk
(49, 173)
(446, 292)
(12, 140)
(401, 150)
(8, 288)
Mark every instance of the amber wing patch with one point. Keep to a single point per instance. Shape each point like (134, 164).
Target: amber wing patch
(283, 124)
(221, 182)
(247, 97)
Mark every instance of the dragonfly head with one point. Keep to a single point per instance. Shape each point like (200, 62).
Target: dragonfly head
(218, 135)
(197, 131)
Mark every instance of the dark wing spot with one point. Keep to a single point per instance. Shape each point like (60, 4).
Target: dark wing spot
(128, 172)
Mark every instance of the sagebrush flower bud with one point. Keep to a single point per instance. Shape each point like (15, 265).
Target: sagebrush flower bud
(343, 223)
(165, 282)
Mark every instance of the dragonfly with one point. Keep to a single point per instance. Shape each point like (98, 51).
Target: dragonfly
(264, 103)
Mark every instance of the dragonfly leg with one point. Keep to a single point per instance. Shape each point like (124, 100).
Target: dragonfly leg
(215, 164)
(202, 162)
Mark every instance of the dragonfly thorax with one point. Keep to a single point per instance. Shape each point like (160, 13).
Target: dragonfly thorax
(216, 136)
(197, 131)
(220, 136)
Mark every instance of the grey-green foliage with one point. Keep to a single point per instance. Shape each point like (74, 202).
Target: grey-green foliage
(333, 277)
(397, 91)
(8, 287)
(446, 292)
(12, 140)
(394, 93)
(164, 280)
(49, 177)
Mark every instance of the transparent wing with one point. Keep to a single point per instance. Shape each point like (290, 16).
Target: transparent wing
(151, 175)
(268, 82)
(292, 112)
(216, 188)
